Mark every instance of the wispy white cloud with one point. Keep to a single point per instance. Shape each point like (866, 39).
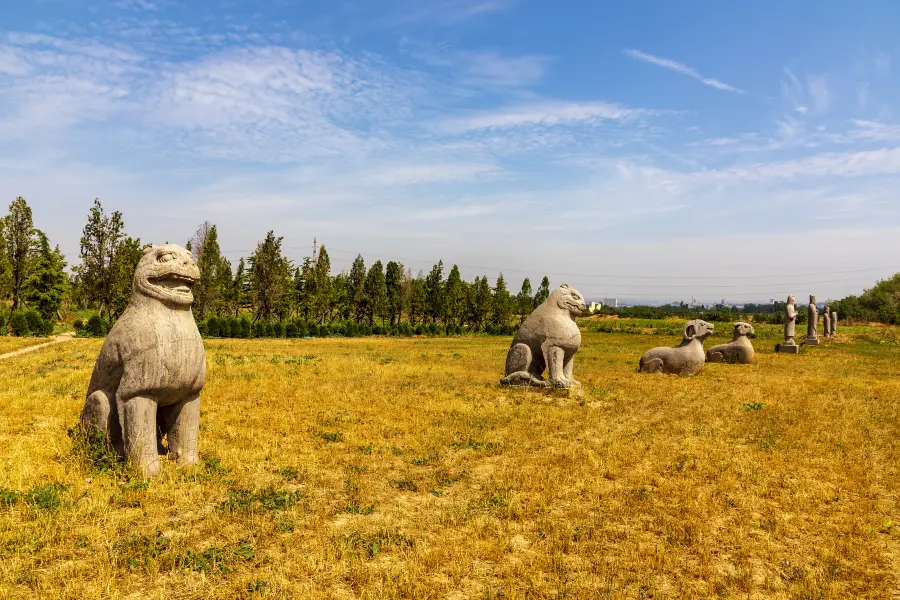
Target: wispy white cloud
(448, 12)
(548, 113)
(678, 67)
(413, 174)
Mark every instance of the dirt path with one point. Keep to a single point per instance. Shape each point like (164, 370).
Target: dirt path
(65, 337)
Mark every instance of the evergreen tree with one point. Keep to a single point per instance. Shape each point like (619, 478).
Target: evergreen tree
(21, 244)
(394, 283)
(238, 294)
(417, 300)
(356, 292)
(270, 277)
(320, 292)
(124, 262)
(502, 305)
(375, 294)
(434, 292)
(543, 292)
(5, 268)
(454, 301)
(299, 288)
(211, 292)
(47, 283)
(482, 301)
(339, 307)
(96, 275)
(524, 300)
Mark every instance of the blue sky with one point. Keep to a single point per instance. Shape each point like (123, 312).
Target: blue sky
(648, 150)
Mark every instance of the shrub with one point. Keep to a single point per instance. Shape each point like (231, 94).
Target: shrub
(224, 328)
(96, 327)
(290, 330)
(457, 329)
(78, 324)
(18, 323)
(212, 327)
(268, 330)
(419, 330)
(302, 330)
(246, 327)
(278, 330)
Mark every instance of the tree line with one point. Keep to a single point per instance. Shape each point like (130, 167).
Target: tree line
(264, 287)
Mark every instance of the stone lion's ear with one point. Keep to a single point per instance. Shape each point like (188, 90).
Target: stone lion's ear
(149, 248)
(565, 285)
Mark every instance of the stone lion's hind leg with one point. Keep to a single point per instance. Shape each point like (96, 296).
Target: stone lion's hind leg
(138, 419)
(715, 357)
(651, 365)
(101, 414)
(182, 422)
(520, 367)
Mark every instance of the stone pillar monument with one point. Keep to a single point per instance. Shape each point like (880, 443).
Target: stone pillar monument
(833, 322)
(812, 323)
(826, 318)
(790, 323)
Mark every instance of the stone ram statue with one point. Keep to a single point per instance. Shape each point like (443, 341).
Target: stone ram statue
(147, 379)
(685, 359)
(738, 350)
(548, 339)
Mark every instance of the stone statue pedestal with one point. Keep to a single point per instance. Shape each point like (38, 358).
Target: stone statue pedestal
(787, 349)
(811, 341)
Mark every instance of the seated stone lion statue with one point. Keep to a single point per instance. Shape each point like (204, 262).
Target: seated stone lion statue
(738, 350)
(687, 358)
(147, 379)
(548, 339)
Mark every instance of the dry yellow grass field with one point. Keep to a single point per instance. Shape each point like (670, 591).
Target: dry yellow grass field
(10, 344)
(398, 468)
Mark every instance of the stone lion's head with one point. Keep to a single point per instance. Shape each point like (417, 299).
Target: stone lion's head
(746, 329)
(569, 299)
(697, 330)
(167, 273)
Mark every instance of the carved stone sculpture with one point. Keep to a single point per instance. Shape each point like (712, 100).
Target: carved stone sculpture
(790, 323)
(833, 322)
(812, 323)
(738, 350)
(548, 339)
(147, 379)
(685, 359)
(826, 319)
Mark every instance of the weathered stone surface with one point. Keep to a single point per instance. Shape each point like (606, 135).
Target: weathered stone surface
(790, 321)
(147, 379)
(548, 339)
(787, 348)
(812, 323)
(833, 322)
(685, 359)
(738, 350)
(826, 319)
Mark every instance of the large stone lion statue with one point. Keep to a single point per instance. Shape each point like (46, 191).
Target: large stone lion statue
(147, 379)
(548, 339)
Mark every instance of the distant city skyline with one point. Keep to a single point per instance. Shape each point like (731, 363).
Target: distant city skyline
(654, 151)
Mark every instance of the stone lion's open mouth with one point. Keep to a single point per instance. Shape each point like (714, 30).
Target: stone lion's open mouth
(174, 283)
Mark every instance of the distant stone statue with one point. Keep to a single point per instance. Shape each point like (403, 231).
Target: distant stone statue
(790, 323)
(826, 320)
(685, 359)
(833, 322)
(548, 339)
(812, 323)
(738, 350)
(147, 379)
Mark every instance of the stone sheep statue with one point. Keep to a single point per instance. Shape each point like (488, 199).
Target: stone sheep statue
(738, 350)
(685, 359)
(147, 379)
(548, 339)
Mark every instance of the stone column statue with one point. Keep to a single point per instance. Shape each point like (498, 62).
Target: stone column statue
(790, 323)
(833, 322)
(812, 323)
(826, 318)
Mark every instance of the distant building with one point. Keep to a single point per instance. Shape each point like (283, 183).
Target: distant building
(594, 307)
(611, 302)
